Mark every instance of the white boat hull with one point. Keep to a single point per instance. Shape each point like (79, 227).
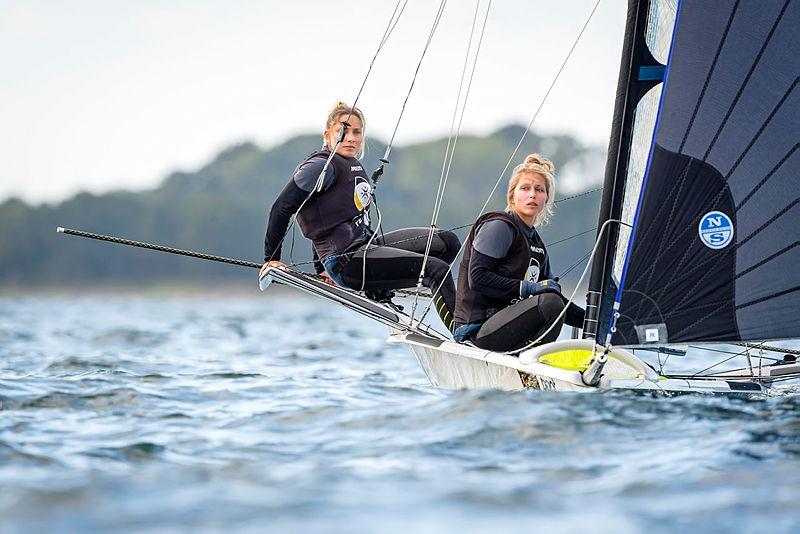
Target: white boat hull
(452, 365)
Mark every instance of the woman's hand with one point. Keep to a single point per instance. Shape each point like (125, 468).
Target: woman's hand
(327, 279)
(529, 288)
(272, 263)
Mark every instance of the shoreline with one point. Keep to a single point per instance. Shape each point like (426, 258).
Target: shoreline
(198, 289)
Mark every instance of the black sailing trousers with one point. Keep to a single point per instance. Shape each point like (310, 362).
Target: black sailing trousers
(397, 260)
(517, 325)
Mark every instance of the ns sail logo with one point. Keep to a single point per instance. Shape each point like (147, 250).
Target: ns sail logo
(715, 230)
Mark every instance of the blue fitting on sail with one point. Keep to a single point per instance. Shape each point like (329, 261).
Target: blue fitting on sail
(655, 72)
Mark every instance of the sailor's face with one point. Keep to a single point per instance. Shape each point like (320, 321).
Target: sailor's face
(353, 138)
(530, 196)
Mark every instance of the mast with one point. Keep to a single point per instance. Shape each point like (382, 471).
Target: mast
(632, 84)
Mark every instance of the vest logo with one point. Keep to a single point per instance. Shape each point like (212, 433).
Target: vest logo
(356, 168)
(532, 274)
(538, 250)
(715, 230)
(361, 195)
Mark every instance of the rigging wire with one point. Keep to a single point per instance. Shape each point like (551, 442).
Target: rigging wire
(436, 20)
(467, 225)
(366, 248)
(745, 351)
(770, 348)
(414, 238)
(453, 139)
(575, 265)
(571, 237)
(376, 175)
(709, 349)
(522, 138)
(393, 20)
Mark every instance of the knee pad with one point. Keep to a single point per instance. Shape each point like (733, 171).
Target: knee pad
(550, 305)
(451, 245)
(436, 269)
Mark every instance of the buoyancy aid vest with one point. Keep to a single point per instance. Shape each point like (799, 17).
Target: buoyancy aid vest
(336, 217)
(524, 260)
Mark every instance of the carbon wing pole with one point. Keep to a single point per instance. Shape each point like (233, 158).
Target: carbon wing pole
(159, 248)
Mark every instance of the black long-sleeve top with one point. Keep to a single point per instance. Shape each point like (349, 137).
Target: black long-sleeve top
(490, 245)
(296, 191)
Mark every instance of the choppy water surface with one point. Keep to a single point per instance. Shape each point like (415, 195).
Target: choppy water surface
(285, 414)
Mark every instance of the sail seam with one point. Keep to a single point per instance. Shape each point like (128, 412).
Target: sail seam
(769, 297)
(684, 172)
(729, 251)
(708, 76)
(781, 252)
(687, 252)
(770, 221)
(675, 240)
(724, 305)
(768, 176)
(763, 127)
(746, 80)
(743, 273)
(717, 305)
(676, 195)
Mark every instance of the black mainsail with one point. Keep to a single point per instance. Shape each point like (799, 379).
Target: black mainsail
(714, 252)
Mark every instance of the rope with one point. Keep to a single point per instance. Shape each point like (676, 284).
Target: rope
(450, 153)
(769, 348)
(413, 238)
(366, 248)
(396, 126)
(414, 79)
(159, 248)
(467, 225)
(519, 144)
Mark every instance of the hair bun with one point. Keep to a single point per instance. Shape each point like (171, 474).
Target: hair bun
(339, 105)
(536, 159)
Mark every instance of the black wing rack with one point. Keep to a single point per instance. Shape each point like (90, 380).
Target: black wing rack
(383, 313)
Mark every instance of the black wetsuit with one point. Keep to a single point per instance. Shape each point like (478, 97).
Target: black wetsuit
(501, 252)
(336, 219)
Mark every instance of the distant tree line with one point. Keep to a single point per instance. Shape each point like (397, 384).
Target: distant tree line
(221, 209)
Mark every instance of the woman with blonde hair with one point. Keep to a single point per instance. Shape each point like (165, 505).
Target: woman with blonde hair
(507, 295)
(334, 215)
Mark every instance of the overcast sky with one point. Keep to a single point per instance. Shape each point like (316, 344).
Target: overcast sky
(101, 95)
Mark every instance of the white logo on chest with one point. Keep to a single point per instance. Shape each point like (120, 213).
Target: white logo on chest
(532, 274)
(361, 196)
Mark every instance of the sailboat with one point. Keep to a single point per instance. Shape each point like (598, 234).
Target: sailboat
(697, 240)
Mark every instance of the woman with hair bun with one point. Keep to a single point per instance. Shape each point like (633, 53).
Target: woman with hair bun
(334, 215)
(507, 295)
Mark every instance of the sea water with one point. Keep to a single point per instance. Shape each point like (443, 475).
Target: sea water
(278, 413)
